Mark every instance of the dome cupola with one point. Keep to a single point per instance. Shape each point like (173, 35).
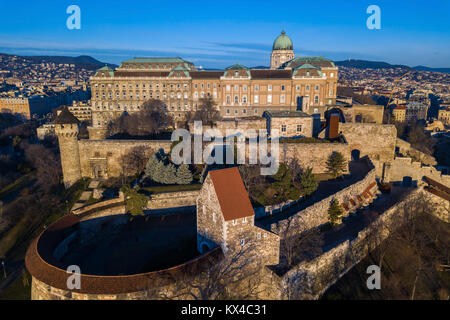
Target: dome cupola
(283, 42)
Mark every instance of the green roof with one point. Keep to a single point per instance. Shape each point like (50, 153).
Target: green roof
(156, 60)
(283, 42)
(180, 68)
(308, 59)
(107, 69)
(236, 66)
(307, 66)
(287, 114)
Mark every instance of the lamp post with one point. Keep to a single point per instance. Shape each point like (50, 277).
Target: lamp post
(4, 270)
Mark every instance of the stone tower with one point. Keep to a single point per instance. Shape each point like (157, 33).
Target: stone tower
(66, 128)
(282, 51)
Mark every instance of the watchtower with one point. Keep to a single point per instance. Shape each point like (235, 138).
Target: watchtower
(66, 128)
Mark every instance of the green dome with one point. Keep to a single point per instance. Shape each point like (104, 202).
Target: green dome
(283, 42)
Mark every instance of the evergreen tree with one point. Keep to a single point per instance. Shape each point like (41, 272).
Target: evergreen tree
(283, 184)
(184, 175)
(151, 166)
(336, 164)
(158, 174)
(335, 213)
(169, 174)
(308, 182)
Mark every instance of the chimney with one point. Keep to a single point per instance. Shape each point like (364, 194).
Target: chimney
(333, 128)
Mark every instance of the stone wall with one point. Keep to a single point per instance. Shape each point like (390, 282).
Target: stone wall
(406, 150)
(316, 276)
(314, 155)
(172, 200)
(105, 154)
(402, 167)
(373, 140)
(317, 214)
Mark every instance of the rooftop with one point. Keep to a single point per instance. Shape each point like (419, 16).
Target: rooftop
(66, 117)
(232, 195)
(287, 114)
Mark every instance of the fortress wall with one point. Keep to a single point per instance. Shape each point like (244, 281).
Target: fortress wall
(314, 155)
(317, 275)
(172, 200)
(107, 153)
(405, 149)
(405, 167)
(373, 140)
(317, 214)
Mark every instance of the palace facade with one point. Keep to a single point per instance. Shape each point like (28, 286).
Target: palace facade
(305, 84)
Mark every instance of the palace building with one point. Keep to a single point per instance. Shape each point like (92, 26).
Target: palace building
(306, 84)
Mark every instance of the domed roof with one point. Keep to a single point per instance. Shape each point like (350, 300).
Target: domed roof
(283, 42)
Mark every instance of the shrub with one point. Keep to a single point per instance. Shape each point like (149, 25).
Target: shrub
(335, 213)
(336, 164)
(308, 182)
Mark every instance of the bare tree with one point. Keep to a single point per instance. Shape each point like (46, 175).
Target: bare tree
(233, 277)
(207, 111)
(152, 119)
(134, 161)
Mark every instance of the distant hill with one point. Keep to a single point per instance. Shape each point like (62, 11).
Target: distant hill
(422, 68)
(84, 61)
(364, 64)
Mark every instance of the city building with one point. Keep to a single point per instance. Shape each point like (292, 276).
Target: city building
(444, 115)
(81, 110)
(289, 123)
(305, 84)
(399, 113)
(416, 111)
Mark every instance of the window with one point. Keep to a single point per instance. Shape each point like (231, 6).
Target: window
(236, 111)
(269, 87)
(283, 128)
(317, 87)
(195, 86)
(244, 99)
(269, 98)
(196, 95)
(282, 98)
(256, 99)
(331, 75)
(256, 87)
(256, 111)
(228, 99)
(316, 110)
(297, 88)
(228, 87)
(307, 87)
(316, 98)
(236, 74)
(282, 87)
(258, 236)
(236, 88)
(244, 111)
(299, 128)
(244, 88)
(236, 99)
(228, 111)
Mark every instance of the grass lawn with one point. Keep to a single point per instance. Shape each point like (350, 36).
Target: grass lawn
(16, 241)
(20, 289)
(172, 188)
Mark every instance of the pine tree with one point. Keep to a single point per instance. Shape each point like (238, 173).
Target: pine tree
(151, 166)
(158, 174)
(169, 174)
(335, 213)
(184, 175)
(308, 182)
(336, 164)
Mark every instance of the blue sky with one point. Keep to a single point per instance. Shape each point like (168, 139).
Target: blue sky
(217, 34)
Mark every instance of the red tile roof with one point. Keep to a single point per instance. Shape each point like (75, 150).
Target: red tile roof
(230, 190)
